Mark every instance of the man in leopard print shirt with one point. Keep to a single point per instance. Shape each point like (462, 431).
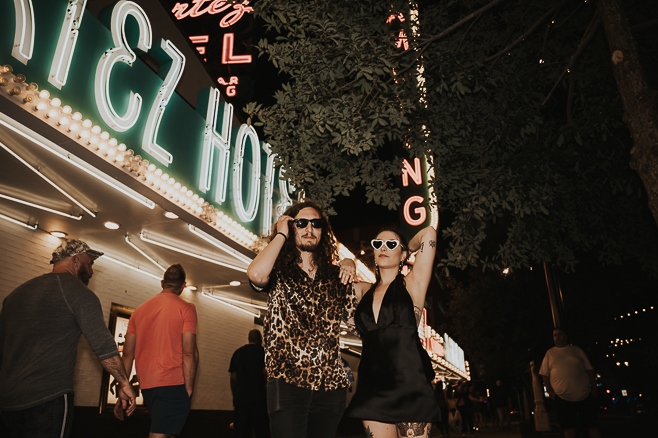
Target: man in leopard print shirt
(308, 296)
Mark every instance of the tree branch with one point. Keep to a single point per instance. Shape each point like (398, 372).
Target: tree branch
(426, 43)
(520, 38)
(572, 83)
(587, 37)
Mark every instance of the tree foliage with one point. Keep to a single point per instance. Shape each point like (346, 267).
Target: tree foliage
(518, 116)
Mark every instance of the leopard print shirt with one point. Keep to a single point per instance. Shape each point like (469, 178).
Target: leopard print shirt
(302, 328)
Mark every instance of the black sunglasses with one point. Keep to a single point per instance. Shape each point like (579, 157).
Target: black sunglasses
(390, 244)
(302, 223)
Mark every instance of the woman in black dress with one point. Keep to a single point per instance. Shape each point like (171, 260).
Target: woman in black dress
(394, 395)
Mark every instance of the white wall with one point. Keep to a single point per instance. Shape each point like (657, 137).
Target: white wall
(25, 254)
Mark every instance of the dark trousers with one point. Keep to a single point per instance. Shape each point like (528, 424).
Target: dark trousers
(52, 419)
(251, 417)
(300, 413)
(468, 419)
(442, 424)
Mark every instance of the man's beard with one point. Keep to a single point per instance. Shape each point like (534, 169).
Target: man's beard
(84, 275)
(304, 245)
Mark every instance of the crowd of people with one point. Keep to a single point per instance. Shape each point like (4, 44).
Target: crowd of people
(293, 386)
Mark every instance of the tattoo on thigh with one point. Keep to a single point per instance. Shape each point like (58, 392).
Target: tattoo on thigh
(412, 429)
(369, 433)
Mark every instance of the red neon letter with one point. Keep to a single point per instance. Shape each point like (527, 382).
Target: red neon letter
(415, 172)
(230, 90)
(420, 211)
(227, 52)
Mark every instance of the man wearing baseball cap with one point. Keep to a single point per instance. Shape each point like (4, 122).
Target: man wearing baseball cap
(40, 325)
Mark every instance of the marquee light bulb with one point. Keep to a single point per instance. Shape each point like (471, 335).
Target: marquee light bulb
(76, 116)
(66, 109)
(44, 94)
(87, 123)
(55, 102)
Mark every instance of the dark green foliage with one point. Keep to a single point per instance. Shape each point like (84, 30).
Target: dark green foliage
(521, 181)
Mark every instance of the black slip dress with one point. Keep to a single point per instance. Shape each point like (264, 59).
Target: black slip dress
(395, 372)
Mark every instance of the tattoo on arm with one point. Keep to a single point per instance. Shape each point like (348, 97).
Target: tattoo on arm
(418, 312)
(369, 434)
(432, 243)
(351, 327)
(422, 246)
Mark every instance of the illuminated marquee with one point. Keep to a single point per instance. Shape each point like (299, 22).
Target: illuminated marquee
(201, 148)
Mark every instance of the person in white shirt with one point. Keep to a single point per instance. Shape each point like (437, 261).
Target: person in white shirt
(571, 383)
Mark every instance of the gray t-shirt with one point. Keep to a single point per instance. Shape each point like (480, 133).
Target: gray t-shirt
(40, 326)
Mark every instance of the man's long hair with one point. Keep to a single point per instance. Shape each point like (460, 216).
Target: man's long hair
(324, 254)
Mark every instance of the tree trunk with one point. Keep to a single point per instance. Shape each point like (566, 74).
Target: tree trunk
(640, 102)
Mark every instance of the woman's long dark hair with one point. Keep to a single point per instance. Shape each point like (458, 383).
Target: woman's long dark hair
(325, 253)
(403, 242)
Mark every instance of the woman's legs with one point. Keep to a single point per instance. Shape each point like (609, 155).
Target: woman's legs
(406, 430)
(375, 429)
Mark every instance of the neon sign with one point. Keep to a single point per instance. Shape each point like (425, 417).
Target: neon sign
(201, 148)
(121, 53)
(24, 35)
(181, 11)
(227, 52)
(230, 85)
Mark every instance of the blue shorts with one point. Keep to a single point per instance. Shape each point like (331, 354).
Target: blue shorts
(168, 406)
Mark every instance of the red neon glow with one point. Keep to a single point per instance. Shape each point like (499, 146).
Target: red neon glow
(227, 52)
(399, 16)
(233, 80)
(420, 211)
(198, 39)
(402, 40)
(415, 172)
(181, 10)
